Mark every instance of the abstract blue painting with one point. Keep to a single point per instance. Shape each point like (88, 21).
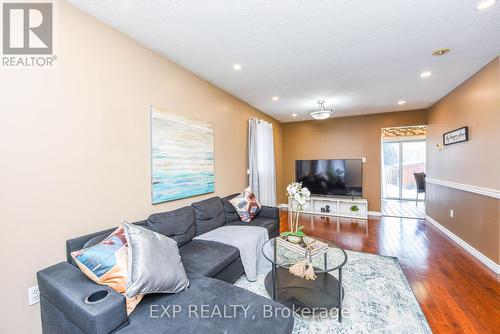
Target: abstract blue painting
(182, 154)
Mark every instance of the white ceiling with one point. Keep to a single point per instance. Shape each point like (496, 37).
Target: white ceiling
(361, 56)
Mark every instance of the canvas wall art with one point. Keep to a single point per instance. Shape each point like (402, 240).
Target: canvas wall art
(182, 151)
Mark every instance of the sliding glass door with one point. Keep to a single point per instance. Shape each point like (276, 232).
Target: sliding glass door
(400, 160)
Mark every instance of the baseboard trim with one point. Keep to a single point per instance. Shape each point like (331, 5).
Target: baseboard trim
(471, 250)
(283, 206)
(466, 187)
(375, 213)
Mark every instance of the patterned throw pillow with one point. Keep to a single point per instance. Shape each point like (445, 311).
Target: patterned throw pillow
(106, 263)
(246, 205)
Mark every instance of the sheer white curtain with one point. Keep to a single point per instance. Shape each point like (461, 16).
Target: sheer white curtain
(261, 163)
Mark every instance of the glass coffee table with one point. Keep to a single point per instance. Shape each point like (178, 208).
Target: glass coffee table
(301, 295)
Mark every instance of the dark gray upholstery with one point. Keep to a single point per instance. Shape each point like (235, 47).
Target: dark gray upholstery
(267, 223)
(267, 217)
(177, 224)
(63, 287)
(95, 240)
(55, 321)
(232, 272)
(230, 213)
(214, 293)
(67, 287)
(207, 258)
(270, 212)
(209, 215)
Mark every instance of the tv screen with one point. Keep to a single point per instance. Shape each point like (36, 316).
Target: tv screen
(331, 177)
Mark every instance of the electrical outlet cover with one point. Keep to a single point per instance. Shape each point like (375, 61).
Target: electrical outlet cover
(33, 295)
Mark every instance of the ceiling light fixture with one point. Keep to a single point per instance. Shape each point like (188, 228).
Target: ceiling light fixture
(401, 102)
(425, 74)
(237, 67)
(294, 115)
(441, 52)
(322, 112)
(275, 98)
(484, 4)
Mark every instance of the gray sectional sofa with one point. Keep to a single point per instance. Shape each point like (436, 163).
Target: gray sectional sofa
(211, 268)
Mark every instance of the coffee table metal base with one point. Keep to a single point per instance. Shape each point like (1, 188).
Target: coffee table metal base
(311, 296)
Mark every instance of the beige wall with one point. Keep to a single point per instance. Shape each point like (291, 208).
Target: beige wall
(476, 104)
(475, 217)
(344, 138)
(74, 145)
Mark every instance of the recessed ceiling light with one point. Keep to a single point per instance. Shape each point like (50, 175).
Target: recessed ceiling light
(401, 102)
(275, 98)
(294, 115)
(484, 4)
(441, 52)
(237, 67)
(425, 74)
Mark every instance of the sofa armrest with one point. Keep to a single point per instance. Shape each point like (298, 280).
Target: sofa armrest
(269, 212)
(66, 288)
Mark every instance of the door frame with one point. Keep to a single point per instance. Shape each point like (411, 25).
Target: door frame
(398, 140)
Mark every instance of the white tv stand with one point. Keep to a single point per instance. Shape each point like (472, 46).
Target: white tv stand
(337, 206)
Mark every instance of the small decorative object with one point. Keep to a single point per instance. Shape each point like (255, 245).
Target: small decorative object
(322, 209)
(298, 197)
(294, 239)
(327, 208)
(309, 249)
(456, 136)
(354, 208)
(303, 269)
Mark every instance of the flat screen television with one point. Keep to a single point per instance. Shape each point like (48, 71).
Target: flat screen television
(332, 177)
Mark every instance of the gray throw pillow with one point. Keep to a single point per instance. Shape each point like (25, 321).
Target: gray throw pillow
(154, 263)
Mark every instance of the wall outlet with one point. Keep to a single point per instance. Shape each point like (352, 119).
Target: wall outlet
(451, 213)
(33, 295)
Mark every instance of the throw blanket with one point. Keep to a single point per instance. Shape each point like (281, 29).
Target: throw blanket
(249, 241)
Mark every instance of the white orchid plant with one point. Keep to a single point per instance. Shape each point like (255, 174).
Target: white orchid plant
(298, 197)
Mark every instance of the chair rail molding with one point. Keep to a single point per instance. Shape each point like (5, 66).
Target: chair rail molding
(468, 248)
(466, 187)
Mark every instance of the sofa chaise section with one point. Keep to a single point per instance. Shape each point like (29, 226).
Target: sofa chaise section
(210, 266)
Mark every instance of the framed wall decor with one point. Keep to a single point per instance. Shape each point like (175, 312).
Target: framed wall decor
(456, 136)
(182, 156)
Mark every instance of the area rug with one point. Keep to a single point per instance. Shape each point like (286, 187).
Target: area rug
(377, 295)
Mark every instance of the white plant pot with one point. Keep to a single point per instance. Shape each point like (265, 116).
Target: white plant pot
(294, 239)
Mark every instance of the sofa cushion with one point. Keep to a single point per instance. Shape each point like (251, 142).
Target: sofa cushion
(81, 242)
(207, 258)
(268, 223)
(177, 224)
(229, 210)
(246, 205)
(209, 215)
(154, 263)
(106, 263)
(208, 293)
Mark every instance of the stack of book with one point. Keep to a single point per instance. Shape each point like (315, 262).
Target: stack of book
(309, 246)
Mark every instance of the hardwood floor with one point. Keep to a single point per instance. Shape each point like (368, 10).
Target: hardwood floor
(457, 293)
